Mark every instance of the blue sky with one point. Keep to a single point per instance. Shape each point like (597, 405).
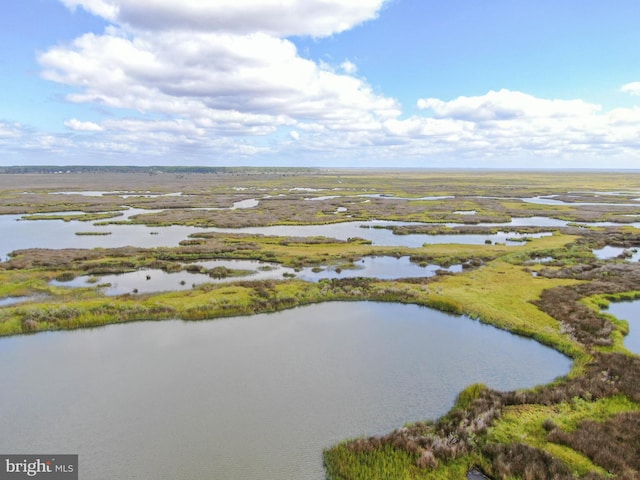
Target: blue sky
(406, 83)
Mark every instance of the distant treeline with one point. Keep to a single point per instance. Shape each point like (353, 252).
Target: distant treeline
(58, 169)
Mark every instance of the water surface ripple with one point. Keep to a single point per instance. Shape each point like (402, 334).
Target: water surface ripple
(254, 397)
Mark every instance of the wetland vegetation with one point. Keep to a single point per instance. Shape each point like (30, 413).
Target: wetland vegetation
(583, 425)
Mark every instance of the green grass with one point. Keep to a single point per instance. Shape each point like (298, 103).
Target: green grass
(84, 217)
(500, 291)
(599, 303)
(526, 424)
(388, 463)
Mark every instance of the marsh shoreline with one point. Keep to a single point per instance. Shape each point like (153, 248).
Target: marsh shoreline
(559, 306)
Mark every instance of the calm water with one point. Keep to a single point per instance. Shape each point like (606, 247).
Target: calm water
(61, 234)
(12, 300)
(155, 280)
(254, 397)
(629, 311)
(380, 236)
(608, 252)
(551, 200)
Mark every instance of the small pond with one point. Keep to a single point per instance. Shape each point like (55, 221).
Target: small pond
(248, 397)
(608, 252)
(629, 311)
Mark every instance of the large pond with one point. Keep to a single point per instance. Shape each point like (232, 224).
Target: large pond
(629, 311)
(249, 397)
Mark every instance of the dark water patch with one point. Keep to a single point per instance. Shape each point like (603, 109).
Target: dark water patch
(475, 474)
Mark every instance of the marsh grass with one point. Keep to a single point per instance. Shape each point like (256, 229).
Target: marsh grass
(93, 233)
(546, 432)
(342, 462)
(502, 294)
(612, 443)
(532, 424)
(85, 217)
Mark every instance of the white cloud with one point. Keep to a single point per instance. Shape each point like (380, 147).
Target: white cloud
(102, 8)
(276, 17)
(348, 67)
(505, 105)
(509, 124)
(75, 124)
(10, 130)
(252, 83)
(218, 79)
(633, 88)
(236, 79)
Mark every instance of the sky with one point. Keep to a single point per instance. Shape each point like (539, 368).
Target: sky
(358, 83)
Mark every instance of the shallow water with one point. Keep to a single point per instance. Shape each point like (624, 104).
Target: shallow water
(23, 234)
(551, 200)
(155, 280)
(122, 194)
(248, 397)
(6, 301)
(629, 311)
(60, 234)
(376, 232)
(608, 252)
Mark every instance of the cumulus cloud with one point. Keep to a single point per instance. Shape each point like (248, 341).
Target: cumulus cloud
(633, 88)
(276, 17)
(75, 124)
(510, 124)
(223, 65)
(219, 79)
(505, 105)
(251, 83)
